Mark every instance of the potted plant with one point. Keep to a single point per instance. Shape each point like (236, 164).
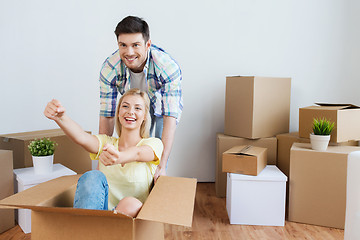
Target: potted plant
(320, 137)
(42, 151)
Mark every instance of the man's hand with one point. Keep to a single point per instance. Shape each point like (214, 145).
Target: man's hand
(54, 110)
(160, 171)
(110, 155)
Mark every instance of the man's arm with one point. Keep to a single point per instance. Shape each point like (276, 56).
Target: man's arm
(168, 134)
(106, 125)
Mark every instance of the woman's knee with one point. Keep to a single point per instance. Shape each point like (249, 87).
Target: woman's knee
(91, 191)
(129, 206)
(92, 175)
(92, 179)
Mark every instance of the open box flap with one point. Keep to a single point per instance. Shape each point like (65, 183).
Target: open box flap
(41, 193)
(248, 150)
(170, 201)
(70, 210)
(337, 105)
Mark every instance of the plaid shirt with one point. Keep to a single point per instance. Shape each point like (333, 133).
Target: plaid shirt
(162, 75)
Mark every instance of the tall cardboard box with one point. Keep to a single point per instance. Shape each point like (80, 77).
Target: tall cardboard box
(225, 142)
(318, 185)
(245, 159)
(171, 201)
(257, 107)
(345, 116)
(7, 217)
(67, 152)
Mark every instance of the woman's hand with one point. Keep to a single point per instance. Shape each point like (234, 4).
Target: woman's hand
(110, 155)
(54, 110)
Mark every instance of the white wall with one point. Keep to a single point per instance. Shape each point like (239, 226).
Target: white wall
(54, 49)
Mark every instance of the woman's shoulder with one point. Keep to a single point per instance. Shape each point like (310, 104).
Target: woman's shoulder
(150, 141)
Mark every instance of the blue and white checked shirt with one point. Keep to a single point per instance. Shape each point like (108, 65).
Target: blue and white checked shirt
(162, 75)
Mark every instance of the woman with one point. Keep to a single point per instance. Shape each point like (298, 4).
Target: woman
(126, 164)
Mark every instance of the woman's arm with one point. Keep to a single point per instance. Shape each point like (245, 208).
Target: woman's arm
(55, 111)
(111, 155)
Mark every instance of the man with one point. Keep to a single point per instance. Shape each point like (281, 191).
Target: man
(139, 64)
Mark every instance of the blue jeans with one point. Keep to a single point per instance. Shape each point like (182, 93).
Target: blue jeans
(156, 123)
(92, 191)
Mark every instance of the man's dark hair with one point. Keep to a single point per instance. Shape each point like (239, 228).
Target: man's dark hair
(132, 24)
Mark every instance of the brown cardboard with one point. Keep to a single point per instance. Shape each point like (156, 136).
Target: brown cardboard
(170, 201)
(225, 142)
(345, 116)
(318, 185)
(286, 140)
(257, 107)
(284, 144)
(7, 217)
(245, 159)
(67, 152)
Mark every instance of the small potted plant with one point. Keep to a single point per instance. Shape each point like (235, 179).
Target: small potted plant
(320, 137)
(42, 151)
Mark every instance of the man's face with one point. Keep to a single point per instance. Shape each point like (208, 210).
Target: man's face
(133, 50)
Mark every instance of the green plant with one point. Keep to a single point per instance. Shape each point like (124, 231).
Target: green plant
(42, 147)
(322, 126)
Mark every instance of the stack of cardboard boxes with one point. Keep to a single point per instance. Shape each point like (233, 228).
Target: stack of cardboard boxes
(318, 180)
(256, 110)
(14, 154)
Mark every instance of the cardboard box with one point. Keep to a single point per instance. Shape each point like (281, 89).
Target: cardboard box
(345, 116)
(257, 107)
(224, 142)
(318, 185)
(284, 144)
(67, 152)
(7, 219)
(257, 200)
(26, 178)
(245, 159)
(170, 201)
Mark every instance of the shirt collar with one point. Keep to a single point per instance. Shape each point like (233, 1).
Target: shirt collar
(146, 67)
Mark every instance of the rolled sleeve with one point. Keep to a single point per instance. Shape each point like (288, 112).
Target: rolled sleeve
(108, 90)
(157, 147)
(172, 101)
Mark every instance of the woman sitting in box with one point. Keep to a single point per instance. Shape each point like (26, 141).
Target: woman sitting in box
(126, 164)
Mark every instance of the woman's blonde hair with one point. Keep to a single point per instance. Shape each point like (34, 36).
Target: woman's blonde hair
(145, 125)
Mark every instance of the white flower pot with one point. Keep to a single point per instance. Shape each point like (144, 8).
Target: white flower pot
(43, 164)
(319, 142)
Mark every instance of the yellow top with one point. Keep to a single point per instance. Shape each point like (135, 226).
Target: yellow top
(135, 178)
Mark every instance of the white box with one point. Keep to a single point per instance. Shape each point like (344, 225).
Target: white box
(25, 178)
(257, 200)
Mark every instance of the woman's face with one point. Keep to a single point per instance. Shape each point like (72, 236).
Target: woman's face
(132, 112)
